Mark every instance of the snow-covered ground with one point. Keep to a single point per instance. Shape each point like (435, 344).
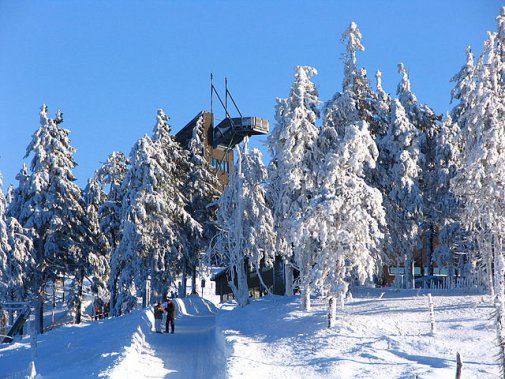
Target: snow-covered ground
(386, 337)
(375, 338)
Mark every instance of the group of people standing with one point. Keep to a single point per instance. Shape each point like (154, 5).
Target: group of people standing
(167, 307)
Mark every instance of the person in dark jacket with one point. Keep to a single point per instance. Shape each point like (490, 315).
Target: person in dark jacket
(170, 309)
(158, 316)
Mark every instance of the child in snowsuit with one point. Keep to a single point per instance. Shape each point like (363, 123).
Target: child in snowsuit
(158, 315)
(170, 309)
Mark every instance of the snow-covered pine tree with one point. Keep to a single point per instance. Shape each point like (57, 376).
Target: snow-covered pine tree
(184, 227)
(156, 226)
(48, 202)
(201, 188)
(246, 236)
(19, 261)
(133, 258)
(357, 102)
(16, 260)
(338, 238)
(400, 156)
(451, 234)
(480, 182)
(478, 178)
(97, 249)
(290, 176)
(4, 245)
(453, 247)
(426, 122)
(111, 176)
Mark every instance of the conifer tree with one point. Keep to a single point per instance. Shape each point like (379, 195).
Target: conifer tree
(156, 226)
(338, 237)
(4, 245)
(400, 156)
(479, 182)
(290, 175)
(97, 250)
(111, 176)
(246, 236)
(48, 202)
(202, 189)
(426, 122)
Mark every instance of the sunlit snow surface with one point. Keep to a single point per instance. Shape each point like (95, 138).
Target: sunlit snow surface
(272, 338)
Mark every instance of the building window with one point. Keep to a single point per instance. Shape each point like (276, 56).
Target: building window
(219, 165)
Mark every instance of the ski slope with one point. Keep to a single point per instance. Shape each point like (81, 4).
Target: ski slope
(378, 335)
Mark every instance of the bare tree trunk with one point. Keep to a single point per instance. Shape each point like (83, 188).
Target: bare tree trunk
(240, 288)
(288, 278)
(332, 311)
(182, 291)
(409, 272)
(306, 305)
(39, 309)
(193, 280)
(429, 250)
(489, 272)
(79, 279)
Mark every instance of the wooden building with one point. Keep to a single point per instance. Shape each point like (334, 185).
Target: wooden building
(272, 277)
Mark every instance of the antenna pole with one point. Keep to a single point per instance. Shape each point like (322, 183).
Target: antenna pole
(226, 94)
(211, 91)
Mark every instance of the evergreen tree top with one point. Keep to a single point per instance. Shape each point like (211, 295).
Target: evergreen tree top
(404, 91)
(352, 38)
(500, 20)
(162, 129)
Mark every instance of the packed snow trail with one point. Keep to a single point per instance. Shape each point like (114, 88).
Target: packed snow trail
(191, 352)
(124, 347)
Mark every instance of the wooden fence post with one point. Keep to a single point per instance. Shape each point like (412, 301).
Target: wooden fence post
(459, 365)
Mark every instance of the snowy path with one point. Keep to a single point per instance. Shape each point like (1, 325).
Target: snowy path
(124, 347)
(191, 351)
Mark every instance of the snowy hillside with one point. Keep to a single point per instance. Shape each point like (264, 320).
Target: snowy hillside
(272, 338)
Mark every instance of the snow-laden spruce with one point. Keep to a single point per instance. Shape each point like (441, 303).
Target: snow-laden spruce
(16, 254)
(480, 182)
(49, 203)
(156, 226)
(111, 176)
(246, 235)
(98, 251)
(4, 244)
(338, 236)
(400, 156)
(290, 172)
(425, 121)
(202, 189)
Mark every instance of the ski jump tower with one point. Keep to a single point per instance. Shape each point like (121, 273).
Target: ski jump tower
(220, 139)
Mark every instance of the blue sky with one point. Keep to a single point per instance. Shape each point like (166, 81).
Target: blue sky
(109, 65)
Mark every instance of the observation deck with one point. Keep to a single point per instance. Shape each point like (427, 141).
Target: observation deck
(232, 130)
